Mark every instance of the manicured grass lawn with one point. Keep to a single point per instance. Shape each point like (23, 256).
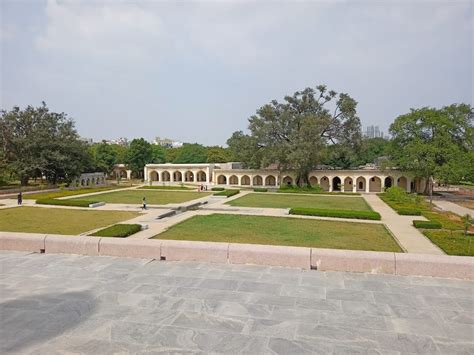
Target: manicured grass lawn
(152, 197)
(283, 231)
(168, 188)
(452, 242)
(58, 220)
(64, 193)
(118, 231)
(303, 201)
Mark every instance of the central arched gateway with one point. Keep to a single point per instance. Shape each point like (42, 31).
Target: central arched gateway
(270, 180)
(360, 183)
(348, 184)
(221, 180)
(375, 184)
(336, 184)
(324, 183)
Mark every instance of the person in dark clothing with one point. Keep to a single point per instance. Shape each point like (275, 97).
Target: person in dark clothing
(20, 198)
(144, 203)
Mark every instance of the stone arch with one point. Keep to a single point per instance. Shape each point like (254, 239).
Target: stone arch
(165, 176)
(103, 180)
(270, 180)
(388, 182)
(83, 182)
(189, 176)
(154, 176)
(201, 176)
(123, 174)
(88, 182)
(177, 176)
(336, 183)
(402, 182)
(360, 184)
(92, 181)
(324, 183)
(233, 180)
(222, 180)
(375, 184)
(418, 185)
(287, 180)
(245, 180)
(313, 180)
(257, 180)
(348, 184)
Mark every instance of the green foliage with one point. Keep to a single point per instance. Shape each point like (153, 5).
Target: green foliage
(104, 156)
(190, 154)
(296, 132)
(447, 220)
(467, 222)
(118, 231)
(36, 142)
(336, 213)
(259, 189)
(218, 155)
(402, 202)
(452, 242)
(64, 193)
(166, 188)
(217, 189)
(370, 150)
(311, 189)
(427, 224)
(158, 154)
(408, 212)
(139, 154)
(227, 193)
(71, 203)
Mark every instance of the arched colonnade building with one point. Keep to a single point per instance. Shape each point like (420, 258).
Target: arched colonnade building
(231, 175)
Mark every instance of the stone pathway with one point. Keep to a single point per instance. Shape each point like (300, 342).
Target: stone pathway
(101, 305)
(453, 207)
(410, 238)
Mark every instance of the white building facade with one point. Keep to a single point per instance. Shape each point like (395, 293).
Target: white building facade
(232, 175)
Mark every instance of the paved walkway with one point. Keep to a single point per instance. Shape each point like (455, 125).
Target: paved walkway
(100, 305)
(453, 207)
(410, 238)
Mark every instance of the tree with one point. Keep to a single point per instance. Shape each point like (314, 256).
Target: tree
(158, 154)
(105, 156)
(139, 154)
(121, 153)
(218, 155)
(245, 149)
(37, 142)
(434, 143)
(191, 154)
(295, 133)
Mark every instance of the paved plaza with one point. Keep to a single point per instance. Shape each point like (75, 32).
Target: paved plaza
(75, 304)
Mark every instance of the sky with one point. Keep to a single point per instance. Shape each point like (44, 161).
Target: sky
(196, 71)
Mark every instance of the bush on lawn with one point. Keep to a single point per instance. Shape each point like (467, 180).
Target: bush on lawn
(408, 212)
(217, 189)
(260, 190)
(118, 231)
(427, 224)
(336, 213)
(227, 193)
(72, 203)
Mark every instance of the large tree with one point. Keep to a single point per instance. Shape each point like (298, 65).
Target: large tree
(434, 143)
(104, 155)
(37, 142)
(139, 154)
(295, 133)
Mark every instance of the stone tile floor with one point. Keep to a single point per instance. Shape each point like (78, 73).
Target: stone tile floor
(53, 304)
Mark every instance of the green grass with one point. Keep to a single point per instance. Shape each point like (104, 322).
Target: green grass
(260, 190)
(301, 201)
(72, 203)
(427, 224)
(118, 231)
(65, 193)
(452, 242)
(311, 190)
(227, 193)
(152, 197)
(58, 220)
(167, 188)
(283, 231)
(336, 213)
(447, 220)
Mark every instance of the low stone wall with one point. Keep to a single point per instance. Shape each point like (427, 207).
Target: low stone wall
(306, 258)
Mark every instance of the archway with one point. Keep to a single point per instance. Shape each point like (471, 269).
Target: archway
(88, 182)
(201, 176)
(83, 182)
(288, 181)
(336, 183)
(402, 182)
(388, 182)
(177, 176)
(154, 176)
(245, 180)
(360, 183)
(233, 180)
(257, 180)
(348, 184)
(221, 180)
(375, 184)
(313, 181)
(324, 183)
(165, 176)
(270, 180)
(189, 176)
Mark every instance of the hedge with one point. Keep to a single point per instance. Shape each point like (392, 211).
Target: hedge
(408, 212)
(72, 203)
(217, 189)
(166, 188)
(227, 193)
(427, 224)
(336, 213)
(260, 190)
(118, 230)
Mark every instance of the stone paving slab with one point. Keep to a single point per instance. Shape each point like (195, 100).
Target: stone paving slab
(102, 305)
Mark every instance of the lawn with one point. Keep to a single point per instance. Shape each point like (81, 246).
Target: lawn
(303, 201)
(58, 220)
(452, 242)
(152, 197)
(283, 231)
(65, 193)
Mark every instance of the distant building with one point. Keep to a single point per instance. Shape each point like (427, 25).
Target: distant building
(87, 140)
(373, 132)
(167, 143)
(119, 141)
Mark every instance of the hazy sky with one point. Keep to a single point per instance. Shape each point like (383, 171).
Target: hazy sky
(196, 71)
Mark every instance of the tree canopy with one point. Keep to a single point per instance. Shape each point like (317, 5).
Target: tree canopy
(296, 132)
(139, 154)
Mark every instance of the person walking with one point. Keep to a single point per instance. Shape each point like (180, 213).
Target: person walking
(144, 203)
(20, 198)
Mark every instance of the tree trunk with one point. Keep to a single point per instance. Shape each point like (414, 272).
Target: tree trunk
(24, 180)
(430, 182)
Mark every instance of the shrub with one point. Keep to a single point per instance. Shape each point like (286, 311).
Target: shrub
(227, 193)
(336, 213)
(427, 224)
(118, 231)
(409, 212)
(73, 203)
(315, 189)
(217, 189)
(259, 189)
(166, 188)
